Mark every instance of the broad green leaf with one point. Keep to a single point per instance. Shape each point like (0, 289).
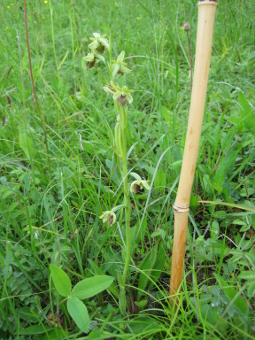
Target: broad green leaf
(146, 267)
(56, 334)
(92, 286)
(167, 114)
(143, 323)
(113, 287)
(79, 313)
(214, 230)
(27, 314)
(247, 275)
(221, 215)
(176, 165)
(160, 179)
(247, 192)
(142, 303)
(246, 113)
(251, 289)
(159, 232)
(194, 202)
(159, 263)
(34, 330)
(133, 232)
(244, 228)
(142, 232)
(239, 222)
(211, 316)
(231, 293)
(96, 334)
(61, 280)
(25, 142)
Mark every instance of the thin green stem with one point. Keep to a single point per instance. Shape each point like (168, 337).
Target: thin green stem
(190, 60)
(22, 82)
(53, 38)
(123, 127)
(33, 89)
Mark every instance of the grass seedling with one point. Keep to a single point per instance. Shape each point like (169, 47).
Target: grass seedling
(206, 15)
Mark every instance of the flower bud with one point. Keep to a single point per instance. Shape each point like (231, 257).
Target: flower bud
(186, 27)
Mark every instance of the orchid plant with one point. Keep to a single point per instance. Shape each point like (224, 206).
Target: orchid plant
(121, 96)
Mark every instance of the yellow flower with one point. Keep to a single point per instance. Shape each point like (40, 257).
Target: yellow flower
(45, 1)
(8, 6)
(11, 4)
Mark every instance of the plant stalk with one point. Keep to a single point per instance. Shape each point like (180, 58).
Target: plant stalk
(206, 16)
(123, 126)
(33, 89)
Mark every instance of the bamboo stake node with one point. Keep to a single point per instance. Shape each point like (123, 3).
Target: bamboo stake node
(180, 209)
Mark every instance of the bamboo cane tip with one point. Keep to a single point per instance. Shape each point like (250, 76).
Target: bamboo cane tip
(208, 1)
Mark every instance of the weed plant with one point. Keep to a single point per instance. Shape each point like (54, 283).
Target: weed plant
(51, 218)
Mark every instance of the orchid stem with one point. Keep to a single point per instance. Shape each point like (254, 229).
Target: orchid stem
(123, 127)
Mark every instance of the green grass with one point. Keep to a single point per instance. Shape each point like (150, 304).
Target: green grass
(52, 216)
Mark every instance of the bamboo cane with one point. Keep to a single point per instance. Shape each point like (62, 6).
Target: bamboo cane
(206, 16)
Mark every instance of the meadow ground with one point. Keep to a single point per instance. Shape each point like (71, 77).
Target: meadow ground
(52, 196)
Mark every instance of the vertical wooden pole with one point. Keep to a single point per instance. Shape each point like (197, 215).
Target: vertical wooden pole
(206, 16)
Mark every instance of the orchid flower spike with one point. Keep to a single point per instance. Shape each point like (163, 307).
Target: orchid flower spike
(99, 43)
(119, 67)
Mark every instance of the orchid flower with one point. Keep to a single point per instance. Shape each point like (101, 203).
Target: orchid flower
(119, 67)
(99, 43)
(122, 94)
(109, 217)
